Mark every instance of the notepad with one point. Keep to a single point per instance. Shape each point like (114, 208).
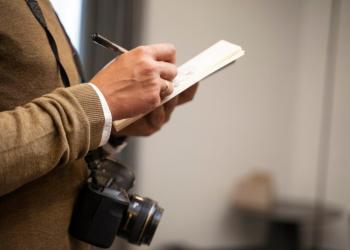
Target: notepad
(196, 69)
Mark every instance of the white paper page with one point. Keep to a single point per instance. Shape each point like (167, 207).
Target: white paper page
(199, 67)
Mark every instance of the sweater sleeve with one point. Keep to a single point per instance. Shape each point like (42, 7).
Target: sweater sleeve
(48, 132)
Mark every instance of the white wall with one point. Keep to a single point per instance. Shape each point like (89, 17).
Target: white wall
(264, 112)
(70, 15)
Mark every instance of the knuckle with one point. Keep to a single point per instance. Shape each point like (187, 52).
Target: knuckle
(154, 84)
(142, 50)
(174, 71)
(171, 87)
(169, 72)
(155, 100)
(146, 66)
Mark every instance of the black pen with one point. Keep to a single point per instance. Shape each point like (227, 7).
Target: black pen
(104, 42)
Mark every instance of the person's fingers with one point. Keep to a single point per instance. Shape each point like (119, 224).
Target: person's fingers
(156, 118)
(163, 52)
(139, 128)
(167, 71)
(166, 89)
(170, 105)
(145, 126)
(169, 108)
(187, 95)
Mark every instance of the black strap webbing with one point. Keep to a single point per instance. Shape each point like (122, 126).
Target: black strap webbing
(36, 10)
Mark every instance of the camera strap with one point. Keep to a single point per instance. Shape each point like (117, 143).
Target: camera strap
(38, 14)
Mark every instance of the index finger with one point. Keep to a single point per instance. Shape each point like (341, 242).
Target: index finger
(163, 52)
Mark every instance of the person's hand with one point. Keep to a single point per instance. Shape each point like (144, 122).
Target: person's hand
(135, 82)
(153, 121)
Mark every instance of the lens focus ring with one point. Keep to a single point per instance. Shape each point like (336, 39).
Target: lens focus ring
(143, 217)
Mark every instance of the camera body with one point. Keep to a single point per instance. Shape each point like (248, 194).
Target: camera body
(104, 209)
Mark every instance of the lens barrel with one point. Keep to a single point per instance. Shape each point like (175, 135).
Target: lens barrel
(140, 221)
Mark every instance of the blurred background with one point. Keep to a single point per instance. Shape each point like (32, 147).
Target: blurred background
(260, 158)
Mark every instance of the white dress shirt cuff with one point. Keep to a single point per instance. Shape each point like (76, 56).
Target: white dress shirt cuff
(107, 128)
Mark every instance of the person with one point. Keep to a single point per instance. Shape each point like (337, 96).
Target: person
(49, 121)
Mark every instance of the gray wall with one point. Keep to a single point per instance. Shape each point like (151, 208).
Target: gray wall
(338, 157)
(265, 112)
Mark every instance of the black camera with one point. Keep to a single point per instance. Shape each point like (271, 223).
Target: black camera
(104, 209)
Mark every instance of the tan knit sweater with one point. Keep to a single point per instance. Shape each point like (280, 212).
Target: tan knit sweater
(45, 131)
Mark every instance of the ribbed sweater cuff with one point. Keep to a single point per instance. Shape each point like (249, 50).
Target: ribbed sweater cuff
(91, 105)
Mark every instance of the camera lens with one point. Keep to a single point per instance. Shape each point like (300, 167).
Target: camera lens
(141, 221)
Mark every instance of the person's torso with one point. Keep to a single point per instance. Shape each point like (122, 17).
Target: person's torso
(37, 215)
(27, 63)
